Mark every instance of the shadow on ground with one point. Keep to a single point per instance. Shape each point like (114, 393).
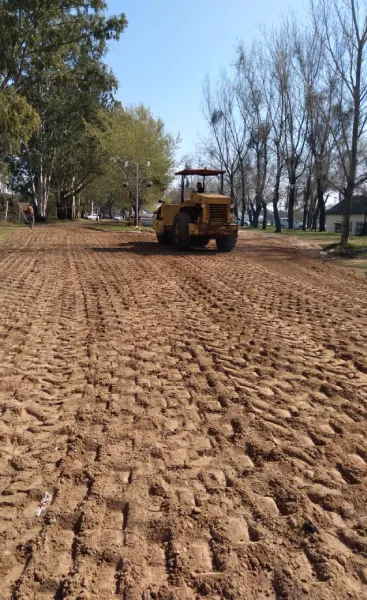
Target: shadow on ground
(145, 248)
(150, 248)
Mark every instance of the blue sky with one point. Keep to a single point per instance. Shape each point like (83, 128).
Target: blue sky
(170, 46)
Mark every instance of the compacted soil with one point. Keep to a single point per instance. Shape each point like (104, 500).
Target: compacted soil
(199, 420)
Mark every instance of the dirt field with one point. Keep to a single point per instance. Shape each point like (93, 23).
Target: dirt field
(199, 419)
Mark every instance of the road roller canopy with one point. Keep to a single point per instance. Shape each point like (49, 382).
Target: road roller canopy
(201, 172)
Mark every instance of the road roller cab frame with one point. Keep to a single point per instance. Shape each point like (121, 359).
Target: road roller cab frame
(196, 220)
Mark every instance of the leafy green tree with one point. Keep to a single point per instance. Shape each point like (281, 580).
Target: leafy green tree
(61, 155)
(106, 193)
(52, 54)
(71, 156)
(34, 28)
(18, 121)
(133, 135)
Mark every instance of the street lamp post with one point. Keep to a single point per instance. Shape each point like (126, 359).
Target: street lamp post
(126, 164)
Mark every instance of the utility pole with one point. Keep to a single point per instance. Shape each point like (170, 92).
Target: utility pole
(126, 164)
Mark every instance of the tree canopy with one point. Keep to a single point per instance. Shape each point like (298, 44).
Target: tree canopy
(133, 135)
(61, 129)
(31, 31)
(18, 121)
(52, 81)
(37, 36)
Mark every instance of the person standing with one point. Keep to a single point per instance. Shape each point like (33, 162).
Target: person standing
(29, 215)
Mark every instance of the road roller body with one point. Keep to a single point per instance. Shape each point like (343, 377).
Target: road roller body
(200, 217)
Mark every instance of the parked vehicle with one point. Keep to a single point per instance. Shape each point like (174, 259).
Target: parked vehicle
(92, 217)
(238, 221)
(285, 224)
(146, 220)
(118, 218)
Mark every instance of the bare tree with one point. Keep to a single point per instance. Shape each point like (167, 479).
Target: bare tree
(320, 102)
(226, 145)
(303, 105)
(296, 117)
(307, 193)
(275, 85)
(341, 26)
(255, 115)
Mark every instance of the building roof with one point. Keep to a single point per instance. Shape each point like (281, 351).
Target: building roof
(359, 206)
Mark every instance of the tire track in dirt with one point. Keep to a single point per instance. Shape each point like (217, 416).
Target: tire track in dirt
(199, 425)
(282, 413)
(40, 383)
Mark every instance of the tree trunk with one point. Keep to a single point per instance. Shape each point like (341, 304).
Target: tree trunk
(351, 180)
(73, 208)
(42, 193)
(231, 183)
(347, 207)
(133, 209)
(306, 201)
(265, 213)
(73, 205)
(322, 217)
(291, 199)
(255, 215)
(305, 214)
(243, 203)
(243, 193)
(321, 204)
(278, 228)
(315, 217)
(311, 212)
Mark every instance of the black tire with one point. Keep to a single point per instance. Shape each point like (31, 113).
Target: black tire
(226, 244)
(165, 239)
(180, 232)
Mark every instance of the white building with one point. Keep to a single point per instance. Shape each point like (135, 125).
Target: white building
(357, 218)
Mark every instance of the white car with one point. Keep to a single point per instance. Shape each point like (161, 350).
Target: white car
(238, 221)
(296, 224)
(146, 221)
(92, 217)
(118, 218)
